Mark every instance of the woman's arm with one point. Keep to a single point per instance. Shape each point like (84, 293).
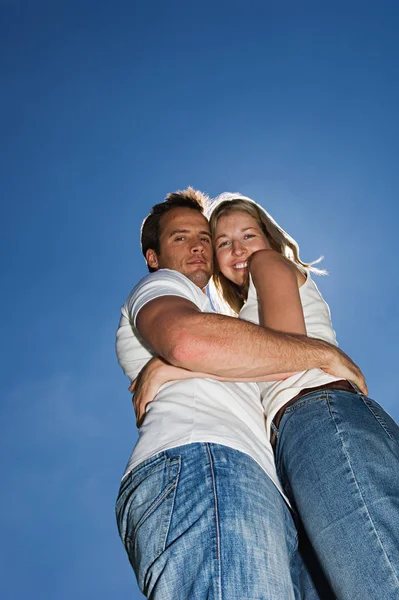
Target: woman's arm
(277, 284)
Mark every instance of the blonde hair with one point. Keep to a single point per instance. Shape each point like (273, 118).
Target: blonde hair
(225, 294)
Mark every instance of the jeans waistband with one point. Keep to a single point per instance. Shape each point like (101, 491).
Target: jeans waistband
(341, 384)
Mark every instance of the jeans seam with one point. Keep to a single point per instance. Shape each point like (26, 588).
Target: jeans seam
(377, 417)
(285, 484)
(151, 462)
(295, 546)
(301, 402)
(278, 464)
(216, 522)
(172, 507)
(330, 408)
(154, 506)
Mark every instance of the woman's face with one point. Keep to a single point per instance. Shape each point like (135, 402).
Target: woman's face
(237, 236)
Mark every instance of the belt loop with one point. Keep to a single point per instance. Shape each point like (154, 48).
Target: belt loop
(273, 435)
(357, 390)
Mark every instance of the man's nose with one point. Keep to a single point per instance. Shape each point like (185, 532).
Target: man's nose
(198, 246)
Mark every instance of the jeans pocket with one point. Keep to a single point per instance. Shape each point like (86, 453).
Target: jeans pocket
(386, 422)
(144, 509)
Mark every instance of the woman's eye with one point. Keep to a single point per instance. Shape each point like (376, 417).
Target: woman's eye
(223, 244)
(248, 236)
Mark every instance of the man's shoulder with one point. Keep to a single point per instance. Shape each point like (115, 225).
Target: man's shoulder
(163, 275)
(163, 282)
(164, 279)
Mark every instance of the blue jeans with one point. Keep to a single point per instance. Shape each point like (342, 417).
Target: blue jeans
(337, 456)
(204, 522)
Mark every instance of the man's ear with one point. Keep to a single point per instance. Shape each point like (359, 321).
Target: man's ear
(152, 259)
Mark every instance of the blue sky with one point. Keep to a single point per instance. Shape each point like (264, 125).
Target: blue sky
(105, 107)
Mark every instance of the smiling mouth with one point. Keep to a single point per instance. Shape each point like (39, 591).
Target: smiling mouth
(240, 266)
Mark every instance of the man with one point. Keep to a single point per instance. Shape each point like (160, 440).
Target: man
(200, 510)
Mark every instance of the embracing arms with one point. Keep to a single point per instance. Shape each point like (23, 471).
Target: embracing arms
(196, 344)
(232, 348)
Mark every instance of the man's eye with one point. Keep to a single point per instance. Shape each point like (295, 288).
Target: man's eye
(205, 239)
(179, 239)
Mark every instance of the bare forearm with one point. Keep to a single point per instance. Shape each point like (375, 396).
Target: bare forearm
(233, 348)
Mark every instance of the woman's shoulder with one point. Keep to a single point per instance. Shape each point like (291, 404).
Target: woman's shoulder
(271, 259)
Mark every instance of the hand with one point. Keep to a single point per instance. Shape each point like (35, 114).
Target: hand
(146, 386)
(343, 367)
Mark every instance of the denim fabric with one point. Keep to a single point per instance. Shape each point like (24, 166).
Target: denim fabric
(337, 457)
(204, 522)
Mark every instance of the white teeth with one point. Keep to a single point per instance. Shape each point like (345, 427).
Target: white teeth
(240, 265)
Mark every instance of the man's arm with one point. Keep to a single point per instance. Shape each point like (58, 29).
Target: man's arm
(224, 346)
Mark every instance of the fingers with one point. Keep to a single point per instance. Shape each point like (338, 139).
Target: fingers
(139, 406)
(132, 386)
(140, 414)
(363, 387)
(360, 381)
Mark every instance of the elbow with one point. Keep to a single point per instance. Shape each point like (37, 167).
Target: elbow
(183, 351)
(188, 344)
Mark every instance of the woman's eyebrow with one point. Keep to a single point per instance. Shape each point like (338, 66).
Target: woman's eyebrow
(220, 236)
(241, 231)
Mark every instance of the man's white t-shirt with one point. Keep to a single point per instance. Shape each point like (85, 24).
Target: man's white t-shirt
(193, 410)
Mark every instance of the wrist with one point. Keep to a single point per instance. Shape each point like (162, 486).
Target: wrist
(330, 356)
(163, 374)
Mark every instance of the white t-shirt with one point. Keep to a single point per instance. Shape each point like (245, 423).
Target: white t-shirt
(194, 410)
(318, 324)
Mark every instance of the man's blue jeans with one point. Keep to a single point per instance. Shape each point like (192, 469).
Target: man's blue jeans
(204, 522)
(337, 456)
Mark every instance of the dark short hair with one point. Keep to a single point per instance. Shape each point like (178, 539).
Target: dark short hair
(151, 228)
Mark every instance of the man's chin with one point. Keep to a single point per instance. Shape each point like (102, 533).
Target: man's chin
(200, 278)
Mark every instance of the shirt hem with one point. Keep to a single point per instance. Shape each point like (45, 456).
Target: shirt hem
(204, 440)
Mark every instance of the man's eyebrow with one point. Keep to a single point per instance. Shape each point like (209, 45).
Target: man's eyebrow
(175, 231)
(178, 231)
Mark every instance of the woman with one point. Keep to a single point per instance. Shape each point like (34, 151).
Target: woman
(337, 451)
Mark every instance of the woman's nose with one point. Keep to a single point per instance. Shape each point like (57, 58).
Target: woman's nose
(238, 248)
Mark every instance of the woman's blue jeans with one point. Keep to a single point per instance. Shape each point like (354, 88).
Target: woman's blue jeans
(204, 522)
(337, 457)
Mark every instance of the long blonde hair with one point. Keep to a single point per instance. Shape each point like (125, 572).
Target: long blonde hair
(225, 294)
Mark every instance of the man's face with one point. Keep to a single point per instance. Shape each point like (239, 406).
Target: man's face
(185, 245)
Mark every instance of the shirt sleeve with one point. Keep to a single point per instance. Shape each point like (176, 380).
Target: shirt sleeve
(161, 283)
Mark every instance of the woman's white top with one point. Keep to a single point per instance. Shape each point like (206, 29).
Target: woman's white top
(316, 312)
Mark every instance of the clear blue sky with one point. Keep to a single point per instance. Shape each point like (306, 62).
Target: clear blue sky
(106, 107)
